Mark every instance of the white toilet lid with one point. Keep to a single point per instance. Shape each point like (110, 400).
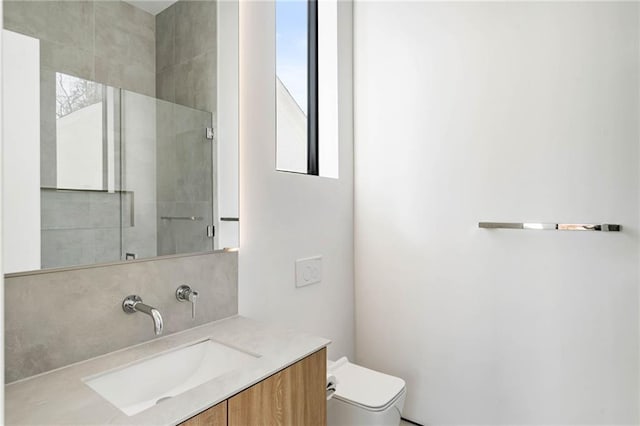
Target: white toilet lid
(364, 387)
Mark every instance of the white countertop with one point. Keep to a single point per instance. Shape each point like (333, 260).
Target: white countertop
(61, 397)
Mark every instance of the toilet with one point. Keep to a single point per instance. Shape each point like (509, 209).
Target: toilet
(364, 396)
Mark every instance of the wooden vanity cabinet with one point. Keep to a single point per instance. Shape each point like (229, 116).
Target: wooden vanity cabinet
(214, 416)
(293, 396)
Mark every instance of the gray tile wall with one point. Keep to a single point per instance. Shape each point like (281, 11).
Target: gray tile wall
(110, 42)
(185, 186)
(58, 318)
(186, 54)
(82, 227)
(187, 75)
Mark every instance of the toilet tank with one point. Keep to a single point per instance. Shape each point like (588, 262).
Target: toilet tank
(364, 396)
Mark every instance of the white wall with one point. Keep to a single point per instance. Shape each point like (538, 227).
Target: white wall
(79, 149)
(291, 132)
(505, 112)
(21, 152)
(329, 146)
(287, 216)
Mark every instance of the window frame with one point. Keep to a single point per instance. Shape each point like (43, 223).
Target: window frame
(313, 160)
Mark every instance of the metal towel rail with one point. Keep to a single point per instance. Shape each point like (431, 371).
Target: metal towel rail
(230, 219)
(604, 227)
(194, 218)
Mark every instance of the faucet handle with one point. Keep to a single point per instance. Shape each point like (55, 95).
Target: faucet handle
(193, 297)
(184, 293)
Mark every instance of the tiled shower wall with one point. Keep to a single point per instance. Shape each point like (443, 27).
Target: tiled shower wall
(186, 54)
(186, 74)
(185, 183)
(110, 42)
(82, 227)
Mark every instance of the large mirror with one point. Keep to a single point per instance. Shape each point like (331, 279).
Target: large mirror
(120, 131)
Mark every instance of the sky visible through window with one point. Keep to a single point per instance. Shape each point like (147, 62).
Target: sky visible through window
(291, 48)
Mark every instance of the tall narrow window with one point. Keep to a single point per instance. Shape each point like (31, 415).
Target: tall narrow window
(297, 86)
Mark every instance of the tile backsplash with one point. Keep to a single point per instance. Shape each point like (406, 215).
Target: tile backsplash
(56, 318)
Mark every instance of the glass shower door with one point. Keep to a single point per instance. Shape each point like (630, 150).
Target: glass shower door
(167, 166)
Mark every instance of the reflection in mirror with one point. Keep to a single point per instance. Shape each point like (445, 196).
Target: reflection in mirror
(168, 168)
(136, 102)
(161, 202)
(81, 153)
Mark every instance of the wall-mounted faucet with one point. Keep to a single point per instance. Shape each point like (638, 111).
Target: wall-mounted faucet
(133, 303)
(184, 293)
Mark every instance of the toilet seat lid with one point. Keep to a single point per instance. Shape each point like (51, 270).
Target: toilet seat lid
(364, 387)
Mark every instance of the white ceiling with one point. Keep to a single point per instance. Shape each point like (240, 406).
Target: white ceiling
(152, 6)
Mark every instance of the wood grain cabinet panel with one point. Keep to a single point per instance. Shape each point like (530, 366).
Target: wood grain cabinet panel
(294, 396)
(214, 416)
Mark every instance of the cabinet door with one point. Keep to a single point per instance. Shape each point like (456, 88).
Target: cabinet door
(214, 416)
(295, 396)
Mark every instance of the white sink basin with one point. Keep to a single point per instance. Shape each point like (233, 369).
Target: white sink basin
(144, 384)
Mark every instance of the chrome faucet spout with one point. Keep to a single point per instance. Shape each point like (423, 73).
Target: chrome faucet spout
(153, 313)
(134, 303)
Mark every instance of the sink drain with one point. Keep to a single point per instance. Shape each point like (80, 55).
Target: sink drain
(164, 398)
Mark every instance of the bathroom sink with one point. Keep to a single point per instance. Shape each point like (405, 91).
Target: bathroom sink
(139, 386)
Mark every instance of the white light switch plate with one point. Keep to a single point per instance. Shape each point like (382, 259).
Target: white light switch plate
(308, 271)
